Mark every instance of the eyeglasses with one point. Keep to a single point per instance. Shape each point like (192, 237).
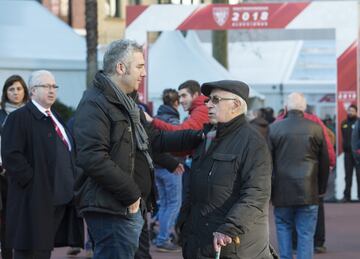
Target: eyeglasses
(48, 86)
(216, 99)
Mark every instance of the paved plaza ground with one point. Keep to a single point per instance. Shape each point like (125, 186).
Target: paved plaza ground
(342, 234)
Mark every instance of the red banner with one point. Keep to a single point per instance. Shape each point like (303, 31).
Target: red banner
(242, 16)
(133, 11)
(346, 86)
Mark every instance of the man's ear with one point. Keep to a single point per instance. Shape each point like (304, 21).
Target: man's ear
(120, 68)
(237, 105)
(196, 94)
(32, 90)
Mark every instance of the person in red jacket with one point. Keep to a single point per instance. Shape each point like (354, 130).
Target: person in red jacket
(192, 101)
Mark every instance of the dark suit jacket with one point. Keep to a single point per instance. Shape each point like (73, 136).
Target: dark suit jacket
(29, 156)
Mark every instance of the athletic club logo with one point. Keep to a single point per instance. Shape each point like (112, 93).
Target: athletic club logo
(221, 14)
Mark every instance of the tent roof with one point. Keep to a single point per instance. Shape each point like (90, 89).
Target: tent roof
(274, 62)
(172, 61)
(194, 42)
(32, 37)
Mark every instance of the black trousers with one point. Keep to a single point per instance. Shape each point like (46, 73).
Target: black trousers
(6, 253)
(319, 238)
(59, 212)
(350, 164)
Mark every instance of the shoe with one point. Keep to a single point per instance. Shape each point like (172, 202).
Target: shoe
(168, 247)
(320, 249)
(345, 200)
(73, 251)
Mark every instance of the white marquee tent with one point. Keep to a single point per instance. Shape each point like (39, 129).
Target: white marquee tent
(172, 61)
(32, 38)
(272, 66)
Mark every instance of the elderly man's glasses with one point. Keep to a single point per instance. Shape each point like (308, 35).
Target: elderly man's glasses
(216, 99)
(48, 86)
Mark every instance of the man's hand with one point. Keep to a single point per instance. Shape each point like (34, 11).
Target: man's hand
(220, 240)
(133, 208)
(179, 170)
(148, 117)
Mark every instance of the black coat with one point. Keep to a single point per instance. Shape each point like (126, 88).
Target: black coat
(301, 161)
(229, 193)
(114, 172)
(347, 126)
(29, 157)
(355, 142)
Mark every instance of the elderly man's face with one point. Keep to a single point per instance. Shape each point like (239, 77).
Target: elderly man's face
(45, 92)
(223, 106)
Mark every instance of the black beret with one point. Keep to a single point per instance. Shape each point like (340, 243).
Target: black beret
(237, 87)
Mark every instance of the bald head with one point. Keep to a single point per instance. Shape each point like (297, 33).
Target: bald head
(296, 101)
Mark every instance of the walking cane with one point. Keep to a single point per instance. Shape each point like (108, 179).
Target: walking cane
(236, 240)
(217, 254)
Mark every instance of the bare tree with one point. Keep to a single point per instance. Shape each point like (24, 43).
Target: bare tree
(91, 39)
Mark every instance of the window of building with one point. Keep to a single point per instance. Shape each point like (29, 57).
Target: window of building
(113, 8)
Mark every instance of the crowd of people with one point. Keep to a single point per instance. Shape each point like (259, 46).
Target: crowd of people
(207, 181)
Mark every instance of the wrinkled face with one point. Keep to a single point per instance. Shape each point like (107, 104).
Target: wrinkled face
(223, 106)
(45, 92)
(132, 73)
(351, 112)
(186, 98)
(15, 93)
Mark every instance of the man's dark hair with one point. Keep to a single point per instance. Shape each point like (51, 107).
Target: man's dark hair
(192, 86)
(170, 96)
(353, 106)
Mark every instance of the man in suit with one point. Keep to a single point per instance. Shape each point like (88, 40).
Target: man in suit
(38, 155)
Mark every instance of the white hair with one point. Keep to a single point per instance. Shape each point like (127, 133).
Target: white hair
(296, 101)
(243, 107)
(36, 77)
(243, 104)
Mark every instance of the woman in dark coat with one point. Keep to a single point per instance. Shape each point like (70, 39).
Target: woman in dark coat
(14, 95)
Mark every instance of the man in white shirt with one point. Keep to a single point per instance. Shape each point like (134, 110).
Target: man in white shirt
(37, 152)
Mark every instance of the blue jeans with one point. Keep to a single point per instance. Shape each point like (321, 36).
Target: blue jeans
(169, 189)
(304, 219)
(114, 236)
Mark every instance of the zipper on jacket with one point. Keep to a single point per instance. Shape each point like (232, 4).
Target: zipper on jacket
(132, 155)
(211, 171)
(208, 181)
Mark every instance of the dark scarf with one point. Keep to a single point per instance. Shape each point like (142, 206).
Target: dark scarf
(142, 139)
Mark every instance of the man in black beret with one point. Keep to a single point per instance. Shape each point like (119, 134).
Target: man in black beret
(227, 206)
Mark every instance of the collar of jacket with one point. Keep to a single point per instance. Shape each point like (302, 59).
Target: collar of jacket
(295, 113)
(198, 101)
(105, 88)
(165, 109)
(225, 128)
(38, 114)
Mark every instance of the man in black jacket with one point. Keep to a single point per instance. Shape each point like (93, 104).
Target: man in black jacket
(38, 155)
(114, 153)
(227, 205)
(347, 126)
(301, 165)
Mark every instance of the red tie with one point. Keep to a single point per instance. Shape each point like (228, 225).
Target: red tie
(58, 131)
